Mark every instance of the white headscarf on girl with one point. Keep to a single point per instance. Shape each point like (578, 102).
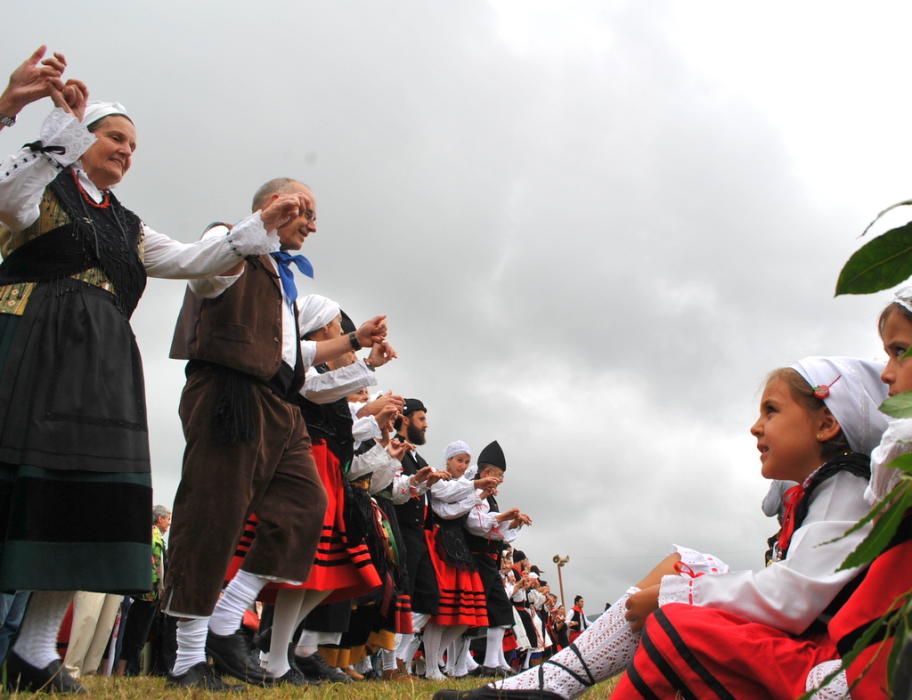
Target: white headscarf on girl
(851, 388)
(457, 447)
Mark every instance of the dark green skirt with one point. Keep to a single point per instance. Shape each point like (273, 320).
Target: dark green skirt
(69, 520)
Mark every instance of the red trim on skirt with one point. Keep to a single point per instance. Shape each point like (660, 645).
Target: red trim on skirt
(710, 653)
(339, 566)
(462, 598)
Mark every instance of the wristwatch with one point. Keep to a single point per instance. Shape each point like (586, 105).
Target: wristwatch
(7, 121)
(353, 341)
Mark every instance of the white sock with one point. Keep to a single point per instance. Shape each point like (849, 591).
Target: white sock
(37, 642)
(433, 633)
(493, 646)
(191, 644)
(291, 607)
(607, 647)
(451, 635)
(239, 595)
(388, 660)
(470, 662)
(461, 657)
(307, 643)
(402, 646)
(410, 652)
(452, 650)
(364, 665)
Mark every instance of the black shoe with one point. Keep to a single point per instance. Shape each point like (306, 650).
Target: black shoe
(232, 656)
(293, 677)
(53, 678)
(315, 667)
(204, 677)
(491, 672)
(488, 693)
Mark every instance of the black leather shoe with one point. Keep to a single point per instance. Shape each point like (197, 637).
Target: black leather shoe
(293, 677)
(488, 693)
(491, 672)
(53, 678)
(232, 656)
(315, 667)
(202, 676)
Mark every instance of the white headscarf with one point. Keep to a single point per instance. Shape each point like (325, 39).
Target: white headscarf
(99, 110)
(458, 447)
(855, 393)
(903, 297)
(315, 311)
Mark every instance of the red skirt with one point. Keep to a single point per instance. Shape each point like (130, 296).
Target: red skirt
(709, 653)
(340, 566)
(462, 599)
(886, 581)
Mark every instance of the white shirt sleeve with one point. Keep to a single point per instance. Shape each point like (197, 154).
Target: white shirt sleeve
(218, 250)
(453, 499)
(482, 523)
(364, 429)
(896, 440)
(25, 175)
(792, 593)
(368, 462)
(329, 387)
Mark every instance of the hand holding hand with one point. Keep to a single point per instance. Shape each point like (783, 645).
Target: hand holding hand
(372, 331)
(32, 80)
(281, 210)
(641, 605)
(380, 354)
(398, 448)
(437, 475)
(487, 483)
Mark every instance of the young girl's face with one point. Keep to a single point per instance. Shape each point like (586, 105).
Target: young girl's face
(457, 464)
(896, 335)
(787, 434)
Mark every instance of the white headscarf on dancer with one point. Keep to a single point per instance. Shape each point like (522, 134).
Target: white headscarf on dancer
(458, 447)
(851, 388)
(96, 111)
(314, 312)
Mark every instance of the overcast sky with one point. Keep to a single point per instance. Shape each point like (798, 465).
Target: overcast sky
(595, 226)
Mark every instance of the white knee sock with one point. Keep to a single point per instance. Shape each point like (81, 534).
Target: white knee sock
(239, 595)
(37, 642)
(388, 660)
(292, 606)
(460, 657)
(493, 646)
(433, 633)
(307, 643)
(402, 646)
(452, 656)
(451, 636)
(191, 644)
(470, 662)
(607, 647)
(410, 652)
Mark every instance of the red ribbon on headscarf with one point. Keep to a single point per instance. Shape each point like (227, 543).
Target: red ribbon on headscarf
(790, 499)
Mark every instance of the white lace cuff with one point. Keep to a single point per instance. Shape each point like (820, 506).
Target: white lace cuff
(676, 589)
(250, 237)
(63, 130)
(700, 562)
(836, 689)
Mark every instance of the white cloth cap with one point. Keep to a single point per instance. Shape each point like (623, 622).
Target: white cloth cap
(456, 448)
(314, 312)
(99, 110)
(854, 398)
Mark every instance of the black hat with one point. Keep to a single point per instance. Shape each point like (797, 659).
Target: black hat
(491, 455)
(348, 326)
(518, 556)
(412, 405)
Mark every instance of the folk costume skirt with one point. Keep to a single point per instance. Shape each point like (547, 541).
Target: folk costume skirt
(75, 488)
(462, 599)
(340, 566)
(704, 652)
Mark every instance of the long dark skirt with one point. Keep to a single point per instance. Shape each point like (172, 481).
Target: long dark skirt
(75, 488)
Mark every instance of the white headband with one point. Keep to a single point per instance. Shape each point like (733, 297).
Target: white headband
(854, 395)
(99, 110)
(315, 311)
(458, 447)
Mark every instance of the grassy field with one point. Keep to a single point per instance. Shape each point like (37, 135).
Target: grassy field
(145, 687)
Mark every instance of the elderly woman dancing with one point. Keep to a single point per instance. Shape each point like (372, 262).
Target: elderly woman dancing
(75, 488)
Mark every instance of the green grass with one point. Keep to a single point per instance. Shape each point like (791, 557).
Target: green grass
(144, 687)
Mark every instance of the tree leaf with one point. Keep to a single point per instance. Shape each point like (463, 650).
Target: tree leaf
(903, 463)
(879, 264)
(881, 533)
(880, 215)
(899, 406)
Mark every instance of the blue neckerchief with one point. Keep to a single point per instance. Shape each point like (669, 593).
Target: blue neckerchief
(284, 261)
